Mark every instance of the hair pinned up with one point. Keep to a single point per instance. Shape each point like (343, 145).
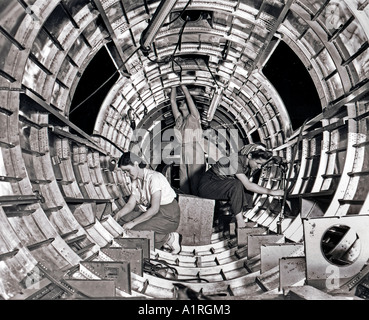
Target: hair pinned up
(256, 151)
(261, 154)
(129, 158)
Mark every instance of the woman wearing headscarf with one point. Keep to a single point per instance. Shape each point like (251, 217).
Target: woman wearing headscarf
(229, 179)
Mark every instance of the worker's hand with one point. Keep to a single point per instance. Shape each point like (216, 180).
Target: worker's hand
(116, 217)
(128, 225)
(277, 193)
(280, 161)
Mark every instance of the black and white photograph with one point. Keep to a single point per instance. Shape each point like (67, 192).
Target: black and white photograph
(184, 158)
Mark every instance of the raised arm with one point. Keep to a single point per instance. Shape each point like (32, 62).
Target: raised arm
(190, 102)
(173, 102)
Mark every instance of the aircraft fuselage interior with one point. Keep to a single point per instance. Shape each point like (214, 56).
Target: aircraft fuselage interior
(83, 82)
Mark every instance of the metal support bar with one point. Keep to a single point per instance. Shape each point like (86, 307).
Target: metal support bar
(341, 29)
(10, 179)
(321, 9)
(354, 96)
(271, 33)
(8, 255)
(7, 76)
(53, 39)
(351, 201)
(84, 200)
(76, 239)
(16, 200)
(33, 58)
(77, 139)
(11, 39)
(6, 145)
(40, 244)
(62, 84)
(109, 141)
(18, 213)
(33, 152)
(358, 174)
(66, 10)
(85, 249)
(364, 47)
(112, 34)
(331, 176)
(66, 235)
(6, 111)
(361, 116)
(333, 151)
(30, 123)
(52, 209)
(361, 6)
(39, 103)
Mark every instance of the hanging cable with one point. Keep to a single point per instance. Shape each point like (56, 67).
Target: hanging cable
(288, 178)
(93, 93)
(178, 46)
(176, 18)
(99, 88)
(212, 75)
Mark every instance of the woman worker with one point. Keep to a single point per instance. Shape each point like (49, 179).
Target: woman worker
(189, 133)
(229, 179)
(152, 193)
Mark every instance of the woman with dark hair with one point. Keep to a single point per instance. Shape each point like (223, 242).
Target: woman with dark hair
(158, 208)
(229, 179)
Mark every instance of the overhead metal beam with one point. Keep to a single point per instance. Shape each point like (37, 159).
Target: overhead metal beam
(119, 51)
(263, 52)
(39, 103)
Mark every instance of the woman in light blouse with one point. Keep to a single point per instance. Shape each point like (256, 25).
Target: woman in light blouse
(158, 208)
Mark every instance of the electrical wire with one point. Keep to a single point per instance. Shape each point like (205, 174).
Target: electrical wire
(93, 93)
(212, 75)
(99, 88)
(175, 19)
(171, 59)
(176, 48)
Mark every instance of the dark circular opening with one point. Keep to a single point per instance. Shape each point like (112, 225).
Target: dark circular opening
(191, 15)
(341, 245)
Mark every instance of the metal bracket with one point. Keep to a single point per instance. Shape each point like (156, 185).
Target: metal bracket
(142, 234)
(120, 272)
(270, 254)
(243, 233)
(292, 271)
(133, 256)
(135, 243)
(256, 241)
(93, 288)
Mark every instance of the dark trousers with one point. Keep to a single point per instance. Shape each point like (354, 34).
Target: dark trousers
(163, 223)
(191, 168)
(213, 187)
